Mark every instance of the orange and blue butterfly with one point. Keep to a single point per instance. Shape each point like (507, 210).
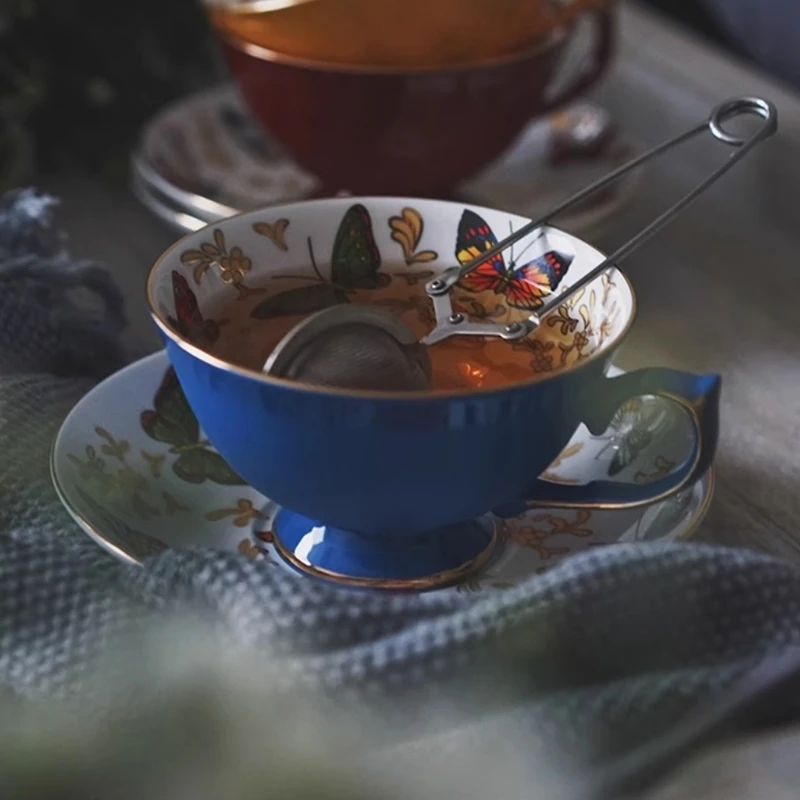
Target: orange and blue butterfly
(523, 287)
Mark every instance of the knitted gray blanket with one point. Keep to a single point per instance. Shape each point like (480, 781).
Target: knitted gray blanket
(610, 646)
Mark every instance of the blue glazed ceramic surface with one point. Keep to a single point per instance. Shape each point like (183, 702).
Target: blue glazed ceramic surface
(137, 488)
(406, 467)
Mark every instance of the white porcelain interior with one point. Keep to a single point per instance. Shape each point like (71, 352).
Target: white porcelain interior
(252, 253)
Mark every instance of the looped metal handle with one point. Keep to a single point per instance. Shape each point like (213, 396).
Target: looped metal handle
(735, 108)
(449, 324)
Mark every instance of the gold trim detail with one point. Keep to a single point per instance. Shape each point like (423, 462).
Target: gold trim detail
(102, 540)
(427, 396)
(439, 580)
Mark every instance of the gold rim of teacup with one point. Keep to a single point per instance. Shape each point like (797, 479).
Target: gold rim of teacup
(602, 352)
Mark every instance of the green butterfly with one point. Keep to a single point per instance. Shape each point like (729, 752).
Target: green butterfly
(173, 422)
(355, 264)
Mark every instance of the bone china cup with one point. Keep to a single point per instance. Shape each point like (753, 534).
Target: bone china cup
(396, 489)
(392, 130)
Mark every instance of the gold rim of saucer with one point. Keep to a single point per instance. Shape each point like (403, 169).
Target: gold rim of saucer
(439, 580)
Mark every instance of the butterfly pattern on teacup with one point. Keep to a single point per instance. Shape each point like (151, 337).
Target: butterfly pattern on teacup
(522, 287)
(355, 265)
(171, 421)
(188, 320)
(274, 231)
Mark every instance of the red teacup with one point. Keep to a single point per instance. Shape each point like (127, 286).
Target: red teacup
(415, 132)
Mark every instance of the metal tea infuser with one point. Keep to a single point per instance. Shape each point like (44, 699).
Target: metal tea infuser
(364, 347)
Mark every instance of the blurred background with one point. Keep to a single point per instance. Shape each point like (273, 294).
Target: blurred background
(78, 78)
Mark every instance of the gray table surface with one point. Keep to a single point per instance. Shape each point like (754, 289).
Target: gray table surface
(719, 292)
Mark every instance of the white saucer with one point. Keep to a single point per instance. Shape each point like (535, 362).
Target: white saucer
(117, 483)
(204, 158)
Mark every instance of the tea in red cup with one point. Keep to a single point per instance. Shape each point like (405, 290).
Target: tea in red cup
(410, 126)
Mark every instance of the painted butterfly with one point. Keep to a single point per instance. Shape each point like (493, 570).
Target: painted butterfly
(355, 264)
(190, 322)
(355, 260)
(523, 287)
(634, 427)
(173, 422)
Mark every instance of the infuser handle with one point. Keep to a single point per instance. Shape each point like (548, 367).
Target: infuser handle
(721, 114)
(715, 123)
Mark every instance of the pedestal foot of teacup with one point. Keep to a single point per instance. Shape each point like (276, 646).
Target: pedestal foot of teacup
(433, 561)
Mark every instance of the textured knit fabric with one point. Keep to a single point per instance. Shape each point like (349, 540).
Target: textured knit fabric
(611, 645)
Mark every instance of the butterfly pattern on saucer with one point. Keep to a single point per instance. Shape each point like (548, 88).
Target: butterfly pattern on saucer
(523, 287)
(631, 431)
(177, 513)
(173, 422)
(119, 533)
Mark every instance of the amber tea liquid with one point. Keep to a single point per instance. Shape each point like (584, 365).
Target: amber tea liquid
(461, 362)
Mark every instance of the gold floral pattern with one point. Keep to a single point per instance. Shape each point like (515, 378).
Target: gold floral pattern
(243, 513)
(582, 325)
(250, 550)
(233, 265)
(563, 320)
(407, 231)
(535, 532)
(540, 351)
(274, 231)
(477, 310)
(106, 469)
(568, 452)
(155, 462)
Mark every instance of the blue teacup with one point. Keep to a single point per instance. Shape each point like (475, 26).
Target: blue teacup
(399, 489)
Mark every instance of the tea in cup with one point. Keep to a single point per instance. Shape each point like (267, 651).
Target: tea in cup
(400, 488)
(407, 118)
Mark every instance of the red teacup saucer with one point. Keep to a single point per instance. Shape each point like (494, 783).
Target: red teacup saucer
(204, 158)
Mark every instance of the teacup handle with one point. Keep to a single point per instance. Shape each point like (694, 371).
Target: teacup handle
(576, 74)
(698, 395)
